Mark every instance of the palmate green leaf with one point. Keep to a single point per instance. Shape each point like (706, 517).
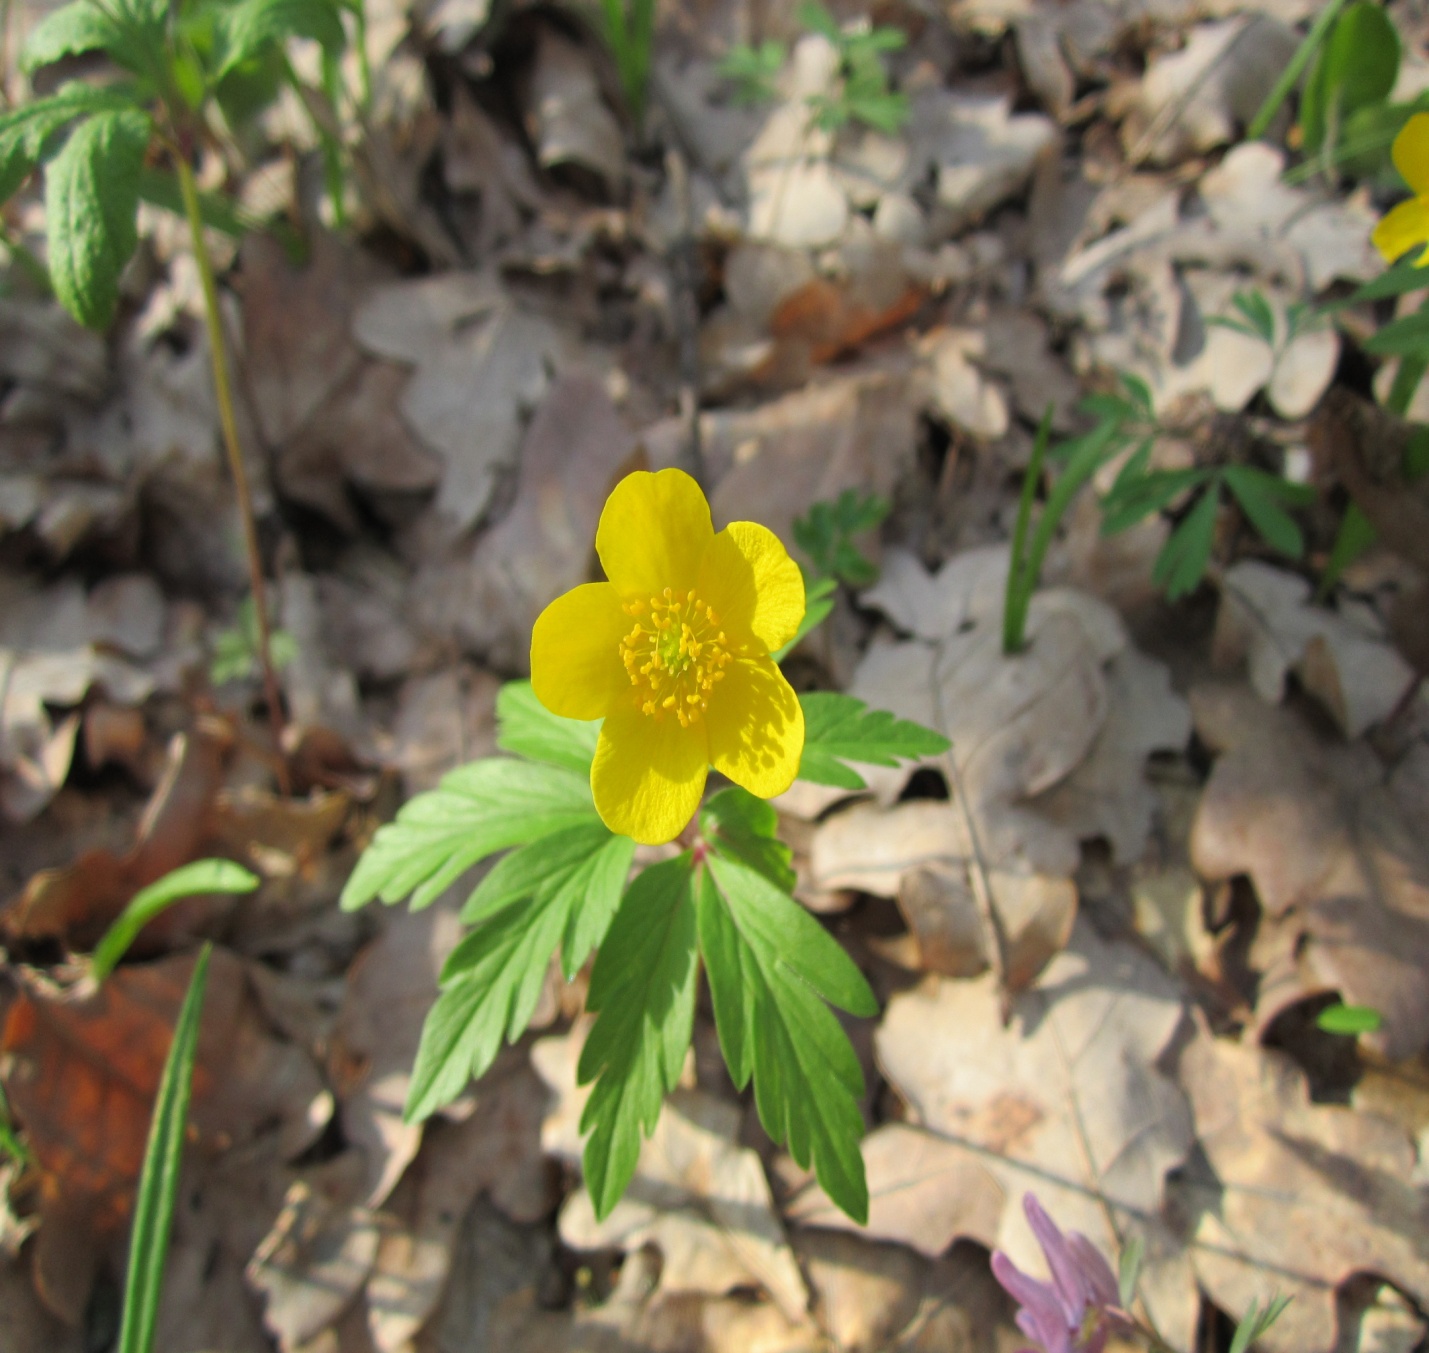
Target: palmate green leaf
(772, 968)
(643, 990)
(562, 890)
(250, 25)
(91, 197)
(1182, 562)
(1260, 496)
(839, 729)
(525, 727)
(477, 810)
(738, 824)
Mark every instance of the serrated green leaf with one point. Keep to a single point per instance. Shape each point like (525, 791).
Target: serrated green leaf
(248, 26)
(1256, 492)
(839, 729)
(562, 890)
(643, 990)
(26, 131)
(1182, 562)
(745, 828)
(525, 727)
(477, 809)
(91, 197)
(771, 970)
(68, 31)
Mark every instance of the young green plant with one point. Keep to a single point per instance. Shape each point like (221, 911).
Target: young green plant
(97, 143)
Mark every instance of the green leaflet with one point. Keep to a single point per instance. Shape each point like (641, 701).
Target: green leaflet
(643, 988)
(525, 727)
(743, 827)
(562, 890)
(771, 969)
(80, 26)
(25, 131)
(839, 729)
(477, 810)
(248, 26)
(91, 195)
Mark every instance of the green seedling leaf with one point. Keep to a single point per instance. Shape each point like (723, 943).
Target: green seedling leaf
(839, 729)
(1126, 504)
(643, 990)
(745, 828)
(813, 16)
(1182, 562)
(825, 534)
(1140, 393)
(250, 25)
(477, 809)
(1350, 1020)
(1258, 314)
(1129, 1270)
(560, 891)
(818, 606)
(235, 650)
(91, 196)
(159, 1179)
(753, 71)
(1256, 1321)
(525, 727)
(1355, 536)
(189, 880)
(772, 968)
(1257, 493)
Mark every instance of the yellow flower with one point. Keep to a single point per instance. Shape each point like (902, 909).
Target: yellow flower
(673, 653)
(1408, 224)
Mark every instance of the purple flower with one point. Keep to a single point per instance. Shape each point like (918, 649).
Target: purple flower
(1079, 1308)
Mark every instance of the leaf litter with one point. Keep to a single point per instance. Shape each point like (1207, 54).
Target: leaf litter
(1099, 927)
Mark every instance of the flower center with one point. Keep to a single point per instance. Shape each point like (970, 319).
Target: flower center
(674, 655)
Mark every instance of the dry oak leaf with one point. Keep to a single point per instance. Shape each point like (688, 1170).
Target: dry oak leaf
(1268, 619)
(1337, 859)
(1065, 1099)
(81, 1071)
(1307, 1194)
(697, 1195)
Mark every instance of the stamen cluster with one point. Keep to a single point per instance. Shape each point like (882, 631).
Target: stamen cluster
(675, 654)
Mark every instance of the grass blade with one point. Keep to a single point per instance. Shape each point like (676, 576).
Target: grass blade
(159, 1182)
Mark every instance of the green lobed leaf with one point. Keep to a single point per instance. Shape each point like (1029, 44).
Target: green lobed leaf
(525, 727)
(773, 973)
(1182, 562)
(744, 827)
(477, 809)
(562, 891)
(839, 729)
(643, 990)
(91, 197)
(159, 1178)
(189, 880)
(1257, 492)
(248, 26)
(1128, 501)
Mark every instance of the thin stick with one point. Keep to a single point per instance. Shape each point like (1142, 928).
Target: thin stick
(223, 392)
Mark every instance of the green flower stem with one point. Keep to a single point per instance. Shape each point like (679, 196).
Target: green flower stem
(223, 391)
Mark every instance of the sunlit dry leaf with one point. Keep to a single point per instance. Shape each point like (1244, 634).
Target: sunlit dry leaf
(1267, 618)
(1333, 855)
(1066, 1099)
(1313, 1193)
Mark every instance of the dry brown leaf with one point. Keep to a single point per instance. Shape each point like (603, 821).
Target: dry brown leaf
(442, 721)
(390, 987)
(1338, 864)
(924, 1191)
(1065, 1100)
(959, 389)
(77, 903)
(569, 120)
(81, 1074)
(498, 1148)
(1303, 1195)
(574, 451)
(1268, 620)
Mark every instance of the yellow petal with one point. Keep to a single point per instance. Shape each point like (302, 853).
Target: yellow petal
(648, 776)
(576, 669)
(653, 532)
(1411, 153)
(1406, 226)
(756, 727)
(755, 588)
